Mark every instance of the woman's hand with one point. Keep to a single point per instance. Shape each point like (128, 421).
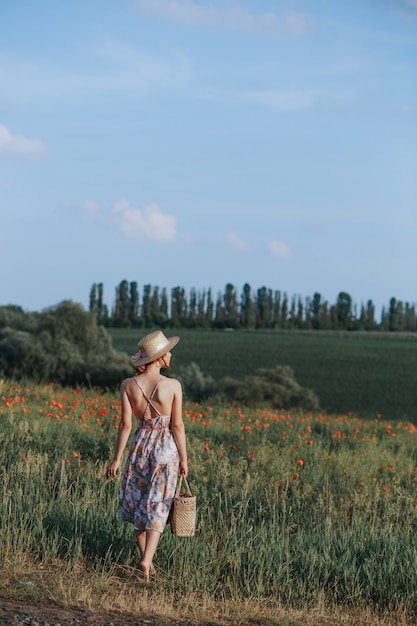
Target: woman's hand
(112, 470)
(183, 469)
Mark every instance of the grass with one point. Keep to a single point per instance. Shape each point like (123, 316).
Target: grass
(121, 596)
(367, 373)
(299, 515)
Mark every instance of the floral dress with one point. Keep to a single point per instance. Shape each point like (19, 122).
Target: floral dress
(151, 471)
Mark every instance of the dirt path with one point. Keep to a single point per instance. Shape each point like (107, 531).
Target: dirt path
(21, 613)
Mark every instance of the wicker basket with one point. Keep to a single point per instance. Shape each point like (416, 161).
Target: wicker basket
(183, 512)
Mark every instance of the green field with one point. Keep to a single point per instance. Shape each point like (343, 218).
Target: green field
(364, 373)
(296, 511)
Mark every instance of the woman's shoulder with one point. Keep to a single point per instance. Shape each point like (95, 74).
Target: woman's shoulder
(171, 380)
(173, 383)
(126, 383)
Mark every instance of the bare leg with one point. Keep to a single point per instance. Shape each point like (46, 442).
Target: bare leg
(147, 542)
(141, 539)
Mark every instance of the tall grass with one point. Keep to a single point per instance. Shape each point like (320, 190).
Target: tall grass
(303, 510)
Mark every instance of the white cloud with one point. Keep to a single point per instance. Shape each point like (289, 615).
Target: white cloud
(19, 146)
(279, 250)
(284, 100)
(90, 208)
(409, 110)
(148, 223)
(229, 15)
(108, 67)
(127, 67)
(237, 243)
(291, 100)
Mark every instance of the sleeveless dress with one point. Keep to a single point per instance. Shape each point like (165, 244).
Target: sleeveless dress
(151, 471)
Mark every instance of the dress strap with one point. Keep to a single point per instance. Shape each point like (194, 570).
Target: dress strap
(149, 400)
(155, 388)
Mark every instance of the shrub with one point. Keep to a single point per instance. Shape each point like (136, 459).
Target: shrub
(63, 344)
(276, 387)
(197, 387)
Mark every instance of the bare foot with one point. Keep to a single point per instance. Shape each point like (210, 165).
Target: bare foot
(144, 572)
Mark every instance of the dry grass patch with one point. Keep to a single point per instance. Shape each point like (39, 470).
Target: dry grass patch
(119, 597)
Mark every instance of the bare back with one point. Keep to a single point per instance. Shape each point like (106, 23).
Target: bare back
(150, 396)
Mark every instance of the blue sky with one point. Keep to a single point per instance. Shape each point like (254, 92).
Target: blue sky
(199, 142)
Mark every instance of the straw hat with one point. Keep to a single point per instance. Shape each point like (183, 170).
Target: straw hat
(152, 346)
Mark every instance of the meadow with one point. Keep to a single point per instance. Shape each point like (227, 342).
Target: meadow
(302, 518)
(367, 373)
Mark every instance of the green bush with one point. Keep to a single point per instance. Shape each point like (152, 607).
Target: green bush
(197, 387)
(275, 387)
(13, 316)
(63, 344)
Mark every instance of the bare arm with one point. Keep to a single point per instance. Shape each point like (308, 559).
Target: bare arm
(178, 429)
(123, 435)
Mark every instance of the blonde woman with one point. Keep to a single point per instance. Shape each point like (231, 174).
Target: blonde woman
(158, 449)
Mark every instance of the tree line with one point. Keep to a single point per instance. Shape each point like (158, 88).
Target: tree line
(262, 308)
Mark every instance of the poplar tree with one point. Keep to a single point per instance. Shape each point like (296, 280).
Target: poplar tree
(102, 310)
(210, 307)
(260, 308)
(93, 300)
(134, 304)
(393, 317)
(146, 305)
(192, 308)
(307, 309)
(284, 311)
(202, 314)
(316, 310)
(219, 315)
(121, 314)
(292, 313)
(178, 306)
(247, 308)
(300, 313)
(370, 316)
(277, 309)
(155, 307)
(344, 310)
(384, 325)
(230, 306)
(164, 303)
(269, 308)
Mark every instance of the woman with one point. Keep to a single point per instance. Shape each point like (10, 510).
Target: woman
(158, 449)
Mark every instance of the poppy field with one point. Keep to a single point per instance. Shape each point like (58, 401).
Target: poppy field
(294, 509)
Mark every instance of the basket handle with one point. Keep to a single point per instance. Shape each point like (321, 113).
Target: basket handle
(177, 493)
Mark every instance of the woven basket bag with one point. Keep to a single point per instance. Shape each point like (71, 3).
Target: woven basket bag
(183, 512)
